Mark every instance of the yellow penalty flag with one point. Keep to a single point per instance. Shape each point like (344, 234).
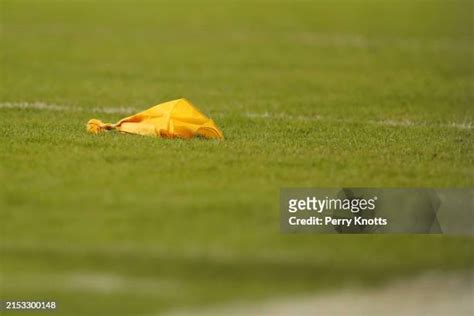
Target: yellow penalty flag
(173, 119)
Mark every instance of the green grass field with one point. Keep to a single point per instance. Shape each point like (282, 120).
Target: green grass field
(307, 93)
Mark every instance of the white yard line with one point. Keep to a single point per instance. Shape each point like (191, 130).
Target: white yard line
(265, 115)
(62, 108)
(434, 294)
(404, 123)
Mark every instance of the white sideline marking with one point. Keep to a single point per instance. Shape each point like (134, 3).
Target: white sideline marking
(94, 281)
(265, 115)
(435, 294)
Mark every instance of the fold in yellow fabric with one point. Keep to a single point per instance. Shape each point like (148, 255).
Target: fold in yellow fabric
(173, 119)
